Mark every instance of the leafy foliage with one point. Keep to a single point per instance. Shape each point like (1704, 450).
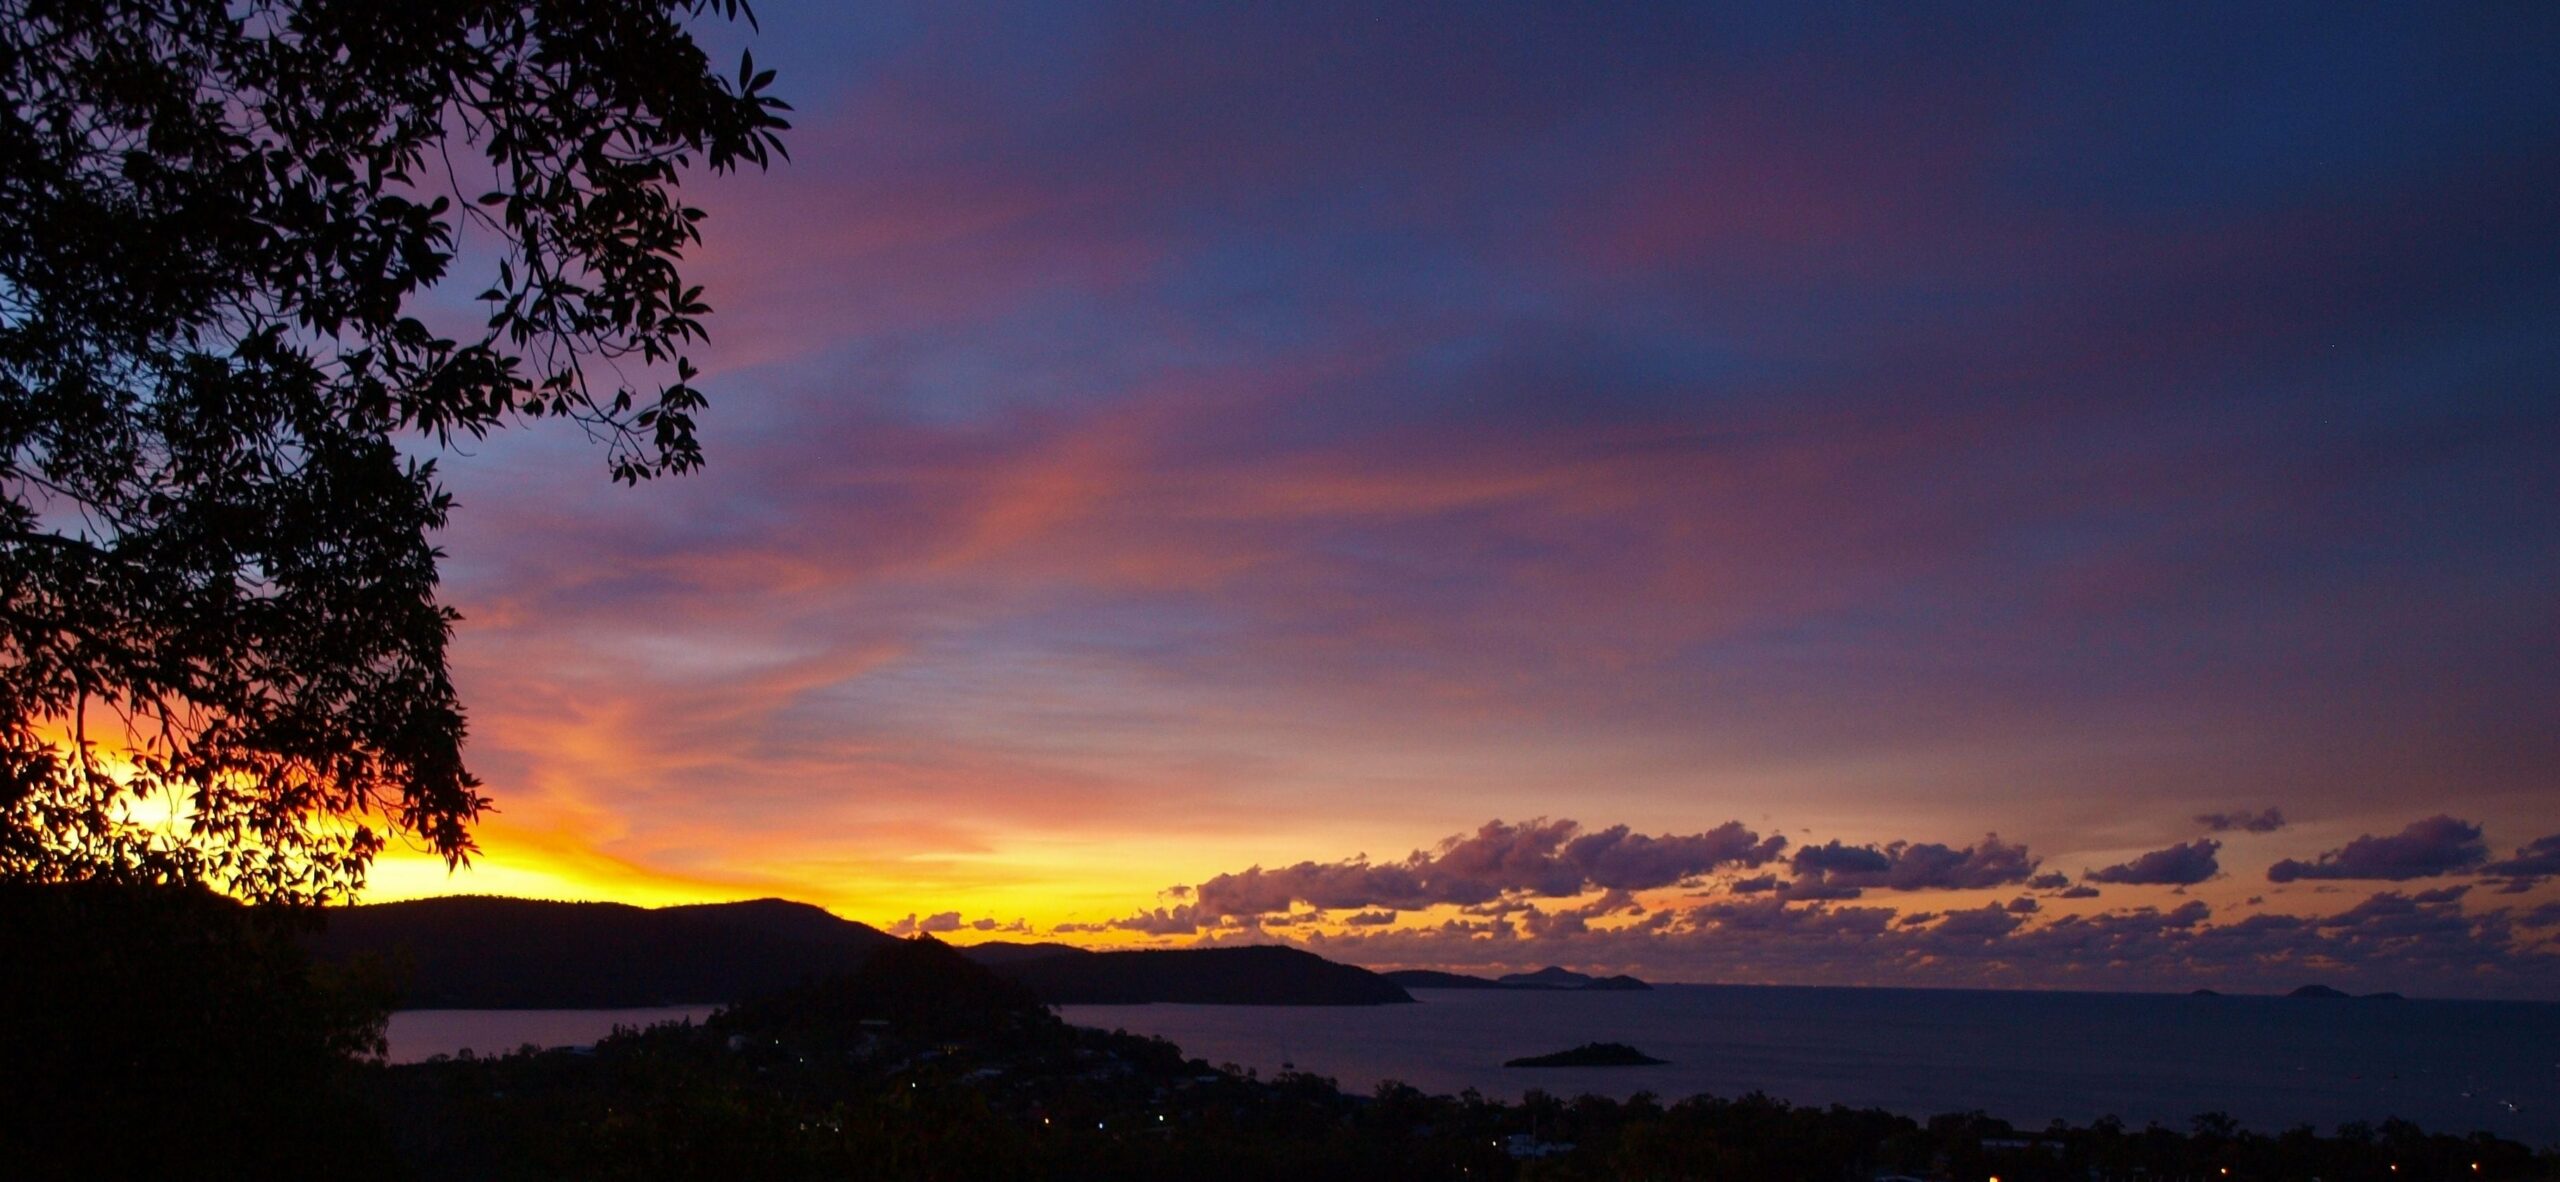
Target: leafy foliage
(217, 591)
(168, 1032)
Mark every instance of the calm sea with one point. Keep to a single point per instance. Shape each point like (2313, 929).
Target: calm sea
(2271, 1063)
(2453, 1066)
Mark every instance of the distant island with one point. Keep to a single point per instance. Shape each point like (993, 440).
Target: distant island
(1552, 978)
(489, 953)
(2323, 992)
(1258, 975)
(2313, 992)
(1592, 1054)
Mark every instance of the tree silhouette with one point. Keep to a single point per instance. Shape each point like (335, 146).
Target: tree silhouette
(222, 657)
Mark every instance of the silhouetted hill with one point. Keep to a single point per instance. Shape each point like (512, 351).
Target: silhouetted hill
(1592, 1054)
(1621, 983)
(2317, 991)
(1202, 976)
(1550, 978)
(1005, 952)
(916, 989)
(478, 952)
(1435, 979)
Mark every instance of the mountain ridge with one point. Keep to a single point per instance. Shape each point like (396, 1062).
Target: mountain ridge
(497, 952)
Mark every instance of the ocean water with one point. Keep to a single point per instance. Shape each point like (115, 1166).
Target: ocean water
(418, 1035)
(2271, 1063)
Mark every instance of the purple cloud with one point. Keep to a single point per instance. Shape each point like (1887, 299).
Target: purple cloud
(2267, 820)
(1160, 921)
(1836, 871)
(2435, 846)
(2535, 859)
(1499, 862)
(948, 921)
(2184, 864)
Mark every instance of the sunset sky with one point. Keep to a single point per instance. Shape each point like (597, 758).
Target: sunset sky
(1152, 443)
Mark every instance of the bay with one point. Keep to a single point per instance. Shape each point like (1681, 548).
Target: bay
(2271, 1063)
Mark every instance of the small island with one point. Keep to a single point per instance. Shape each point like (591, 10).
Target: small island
(1592, 1054)
(2323, 992)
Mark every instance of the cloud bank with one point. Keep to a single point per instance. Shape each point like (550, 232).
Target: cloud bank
(1836, 871)
(2428, 848)
(1546, 858)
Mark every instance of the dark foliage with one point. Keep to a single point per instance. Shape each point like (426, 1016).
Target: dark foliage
(167, 1032)
(217, 590)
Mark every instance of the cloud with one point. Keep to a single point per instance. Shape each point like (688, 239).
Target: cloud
(2535, 859)
(2080, 892)
(2049, 882)
(1161, 921)
(2179, 865)
(1836, 871)
(1498, 862)
(1981, 925)
(2387, 941)
(2266, 820)
(2435, 846)
(947, 921)
(1370, 919)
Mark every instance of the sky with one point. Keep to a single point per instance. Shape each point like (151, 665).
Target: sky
(2042, 496)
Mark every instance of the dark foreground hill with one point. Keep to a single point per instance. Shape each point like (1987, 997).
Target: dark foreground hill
(1199, 976)
(493, 953)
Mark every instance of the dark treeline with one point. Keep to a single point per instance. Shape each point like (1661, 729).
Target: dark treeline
(195, 1038)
